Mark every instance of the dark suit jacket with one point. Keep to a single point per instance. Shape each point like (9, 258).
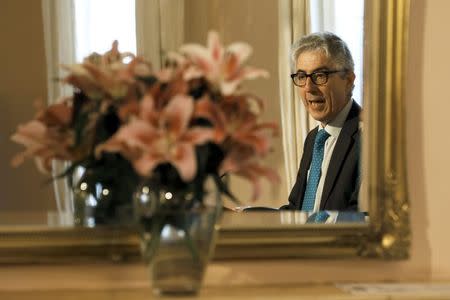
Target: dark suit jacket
(341, 186)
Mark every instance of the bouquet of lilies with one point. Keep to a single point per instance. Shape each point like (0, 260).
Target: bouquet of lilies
(175, 126)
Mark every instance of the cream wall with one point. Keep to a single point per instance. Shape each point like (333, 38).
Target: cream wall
(22, 80)
(429, 125)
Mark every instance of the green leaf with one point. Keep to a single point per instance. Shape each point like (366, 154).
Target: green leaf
(223, 187)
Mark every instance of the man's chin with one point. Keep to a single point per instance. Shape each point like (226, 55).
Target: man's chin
(319, 116)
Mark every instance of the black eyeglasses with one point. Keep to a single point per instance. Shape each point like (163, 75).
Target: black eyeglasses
(318, 77)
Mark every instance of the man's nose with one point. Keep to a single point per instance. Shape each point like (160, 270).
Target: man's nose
(310, 85)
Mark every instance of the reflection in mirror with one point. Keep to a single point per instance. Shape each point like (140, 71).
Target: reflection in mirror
(57, 41)
(329, 173)
(27, 201)
(335, 170)
(234, 20)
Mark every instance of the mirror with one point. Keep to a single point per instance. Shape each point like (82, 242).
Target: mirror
(387, 234)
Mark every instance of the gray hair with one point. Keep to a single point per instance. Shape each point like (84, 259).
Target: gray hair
(332, 46)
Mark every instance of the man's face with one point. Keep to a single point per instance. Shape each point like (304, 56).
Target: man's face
(324, 102)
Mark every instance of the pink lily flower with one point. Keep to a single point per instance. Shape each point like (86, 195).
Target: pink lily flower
(223, 67)
(45, 138)
(234, 121)
(242, 161)
(159, 137)
(243, 139)
(106, 76)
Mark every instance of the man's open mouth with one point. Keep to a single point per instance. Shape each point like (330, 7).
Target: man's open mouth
(318, 101)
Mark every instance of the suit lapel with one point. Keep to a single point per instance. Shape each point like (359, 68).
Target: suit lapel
(343, 144)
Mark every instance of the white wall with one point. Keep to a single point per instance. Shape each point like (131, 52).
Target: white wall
(433, 110)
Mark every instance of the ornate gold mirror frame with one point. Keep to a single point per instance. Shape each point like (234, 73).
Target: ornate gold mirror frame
(386, 236)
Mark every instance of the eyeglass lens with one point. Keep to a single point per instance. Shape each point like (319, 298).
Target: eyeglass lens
(316, 77)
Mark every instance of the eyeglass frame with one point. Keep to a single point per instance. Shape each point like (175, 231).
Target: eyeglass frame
(326, 72)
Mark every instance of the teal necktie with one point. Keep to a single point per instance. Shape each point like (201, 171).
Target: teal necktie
(318, 217)
(314, 170)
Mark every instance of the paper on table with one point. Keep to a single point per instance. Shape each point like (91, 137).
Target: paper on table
(396, 288)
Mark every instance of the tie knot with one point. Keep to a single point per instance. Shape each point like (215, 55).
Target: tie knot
(321, 137)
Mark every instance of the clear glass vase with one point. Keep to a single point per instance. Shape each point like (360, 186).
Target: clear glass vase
(176, 244)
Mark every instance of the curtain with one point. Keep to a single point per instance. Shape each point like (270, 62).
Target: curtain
(323, 15)
(159, 28)
(59, 40)
(346, 19)
(59, 36)
(294, 22)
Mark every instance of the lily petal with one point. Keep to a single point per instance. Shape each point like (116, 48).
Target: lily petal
(147, 107)
(199, 55)
(215, 47)
(198, 135)
(242, 51)
(177, 114)
(185, 161)
(145, 164)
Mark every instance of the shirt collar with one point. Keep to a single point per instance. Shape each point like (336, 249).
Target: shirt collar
(334, 127)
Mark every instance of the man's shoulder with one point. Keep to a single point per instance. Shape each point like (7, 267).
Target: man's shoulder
(351, 124)
(355, 111)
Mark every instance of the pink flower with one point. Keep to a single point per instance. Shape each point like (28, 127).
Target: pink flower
(223, 67)
(153, 117)
(242, 161)
(233, 120)
(101, 76)
(243, 139)
(45, 138)
(159, 137)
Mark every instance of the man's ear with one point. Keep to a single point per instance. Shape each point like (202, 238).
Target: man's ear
(350, 79)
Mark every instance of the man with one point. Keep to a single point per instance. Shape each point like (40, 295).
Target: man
(329, 175)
